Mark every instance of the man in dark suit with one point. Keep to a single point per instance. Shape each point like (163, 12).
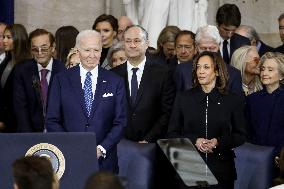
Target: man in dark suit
(228, 18)
(150, 89)
(250, 33)
(184, 47)
(88, 98)
(207, 39)
(29, 82)
(281, 33)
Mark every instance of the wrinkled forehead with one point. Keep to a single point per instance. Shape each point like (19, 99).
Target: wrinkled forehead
(91, 41)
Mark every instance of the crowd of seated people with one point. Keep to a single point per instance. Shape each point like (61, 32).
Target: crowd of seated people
(153, 94)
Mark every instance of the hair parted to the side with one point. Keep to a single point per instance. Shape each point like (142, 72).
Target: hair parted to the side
(219, 67)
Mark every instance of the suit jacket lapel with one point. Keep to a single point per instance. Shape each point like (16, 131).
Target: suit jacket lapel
(143, 82)
(124, 74)
(75, 80)
(102, 83)
(36, 81)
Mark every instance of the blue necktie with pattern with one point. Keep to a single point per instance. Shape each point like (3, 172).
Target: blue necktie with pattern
(88, 94)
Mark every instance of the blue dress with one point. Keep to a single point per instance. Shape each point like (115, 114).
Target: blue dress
(266, 118)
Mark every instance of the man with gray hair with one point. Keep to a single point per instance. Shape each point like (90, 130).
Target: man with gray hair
(250, 33)
(88, 98)
(207, 39)
(281, 32)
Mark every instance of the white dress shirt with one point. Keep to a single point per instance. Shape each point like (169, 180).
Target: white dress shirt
(2, 57)
(94, 77)
(228, 47)
(139, 72)
(48, 67)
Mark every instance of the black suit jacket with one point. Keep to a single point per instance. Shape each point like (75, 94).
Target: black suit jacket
(148, 118)
(27, 100)
(225, 121)
(264, 49)
(279, 49)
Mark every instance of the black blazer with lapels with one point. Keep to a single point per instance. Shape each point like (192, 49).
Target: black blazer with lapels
(148, 118)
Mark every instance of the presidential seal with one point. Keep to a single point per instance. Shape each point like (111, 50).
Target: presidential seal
(52, 153)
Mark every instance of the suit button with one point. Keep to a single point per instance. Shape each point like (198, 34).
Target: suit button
(134, 115)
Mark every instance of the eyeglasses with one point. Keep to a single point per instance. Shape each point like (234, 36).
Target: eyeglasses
(43, 49)
(254, 60)
(210, 49)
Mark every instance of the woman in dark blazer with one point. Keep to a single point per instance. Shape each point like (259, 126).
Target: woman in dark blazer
(211, 117)
(265, 109)
(17, 50)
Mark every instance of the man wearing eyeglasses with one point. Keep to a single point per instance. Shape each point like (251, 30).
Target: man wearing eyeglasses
(33, 80)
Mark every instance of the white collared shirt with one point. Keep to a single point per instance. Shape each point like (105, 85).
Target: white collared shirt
(228, 46)
(2, 57)
(48, 67)
(139, 72)
(94, 77)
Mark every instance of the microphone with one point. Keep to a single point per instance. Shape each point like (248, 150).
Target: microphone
(36, 85)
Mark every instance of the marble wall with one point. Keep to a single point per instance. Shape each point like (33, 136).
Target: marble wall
(51, 14)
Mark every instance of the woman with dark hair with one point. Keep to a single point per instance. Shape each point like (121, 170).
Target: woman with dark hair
(65, 39)
(16, 46)
(265, 108)
(211, 117)
(107, 25)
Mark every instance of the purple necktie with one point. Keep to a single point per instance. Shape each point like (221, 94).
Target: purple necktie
(44, 85)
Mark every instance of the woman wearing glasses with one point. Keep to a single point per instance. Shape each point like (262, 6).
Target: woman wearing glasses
(15, 40)
(246, 60)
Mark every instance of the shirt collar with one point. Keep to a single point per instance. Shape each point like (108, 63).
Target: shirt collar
(83, 71)
(2, 56)
(48, 67)
(140, 66)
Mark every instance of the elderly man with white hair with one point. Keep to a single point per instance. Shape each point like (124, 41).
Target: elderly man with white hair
(207, 38)
(88, 98)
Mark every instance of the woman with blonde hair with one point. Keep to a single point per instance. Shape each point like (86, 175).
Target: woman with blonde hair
(246, 60)
(73, 58)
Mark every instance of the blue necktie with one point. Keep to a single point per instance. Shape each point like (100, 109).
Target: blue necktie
(226, 57)
(134, 85)
(88, 94)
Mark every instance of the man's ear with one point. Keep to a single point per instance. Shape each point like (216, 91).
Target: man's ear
(15, 186)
